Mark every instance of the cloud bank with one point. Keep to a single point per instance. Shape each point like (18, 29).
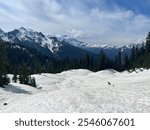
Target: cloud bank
(92, 21)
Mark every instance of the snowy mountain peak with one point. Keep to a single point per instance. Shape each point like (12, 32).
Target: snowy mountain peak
(22, 29)
(1, 31)
(71, 40)
(24, 34)
(54, 44)
(30, 38)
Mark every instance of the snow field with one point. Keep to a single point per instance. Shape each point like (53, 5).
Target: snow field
(80, 91)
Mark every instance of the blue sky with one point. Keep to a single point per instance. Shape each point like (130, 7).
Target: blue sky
(113, 22)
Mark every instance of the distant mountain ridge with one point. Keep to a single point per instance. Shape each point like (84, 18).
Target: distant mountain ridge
(110, 51)
(59, 46)
(45, 44)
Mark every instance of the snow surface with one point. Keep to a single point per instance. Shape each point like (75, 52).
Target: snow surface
(80, 91)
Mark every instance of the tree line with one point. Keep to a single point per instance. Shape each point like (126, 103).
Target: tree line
(22, 62)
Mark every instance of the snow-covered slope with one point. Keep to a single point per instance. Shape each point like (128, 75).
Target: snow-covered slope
(89, 47)
(110, 51)
(27, 35)
(45, 44)
(1, 31)
(80, 91)
(2, 34)
(60, 46)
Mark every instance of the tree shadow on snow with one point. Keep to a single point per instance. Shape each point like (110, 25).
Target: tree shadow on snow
(15, 89)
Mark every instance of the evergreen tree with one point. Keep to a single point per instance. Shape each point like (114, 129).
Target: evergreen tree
(50, 67)
(14, 79)
(32, 82)
(119, 61)
(101, 60)
(148, 42)
(120, 58)
(133, 54)
(126, 62)
(87, 61)
(91, 63)
(23, 74)
(4, 80)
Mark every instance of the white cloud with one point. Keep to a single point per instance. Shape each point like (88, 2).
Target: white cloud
(90, 21)
(75, 33)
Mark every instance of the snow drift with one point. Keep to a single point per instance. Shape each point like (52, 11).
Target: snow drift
(80, 91)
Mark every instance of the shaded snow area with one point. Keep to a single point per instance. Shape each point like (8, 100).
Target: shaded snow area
(80, 91)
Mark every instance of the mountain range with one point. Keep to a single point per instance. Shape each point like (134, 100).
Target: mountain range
(59, 46)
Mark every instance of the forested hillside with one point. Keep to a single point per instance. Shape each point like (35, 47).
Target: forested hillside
(24, 61)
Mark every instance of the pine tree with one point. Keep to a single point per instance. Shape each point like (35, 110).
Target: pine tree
(118, 61)
(148, 42)
(87, 61)
(91, 63)
(23, 74)
(14, 79)
(101, 60)
(4, 80)
(126, 61)
(119, 58)
(133, 54)
(32, 82)
(50, 67)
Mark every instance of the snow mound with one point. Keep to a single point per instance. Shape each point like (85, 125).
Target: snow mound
(80, 91)
(76, 72)
(109, 71)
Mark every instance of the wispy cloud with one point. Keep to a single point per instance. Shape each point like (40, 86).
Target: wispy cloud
(93, 21)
